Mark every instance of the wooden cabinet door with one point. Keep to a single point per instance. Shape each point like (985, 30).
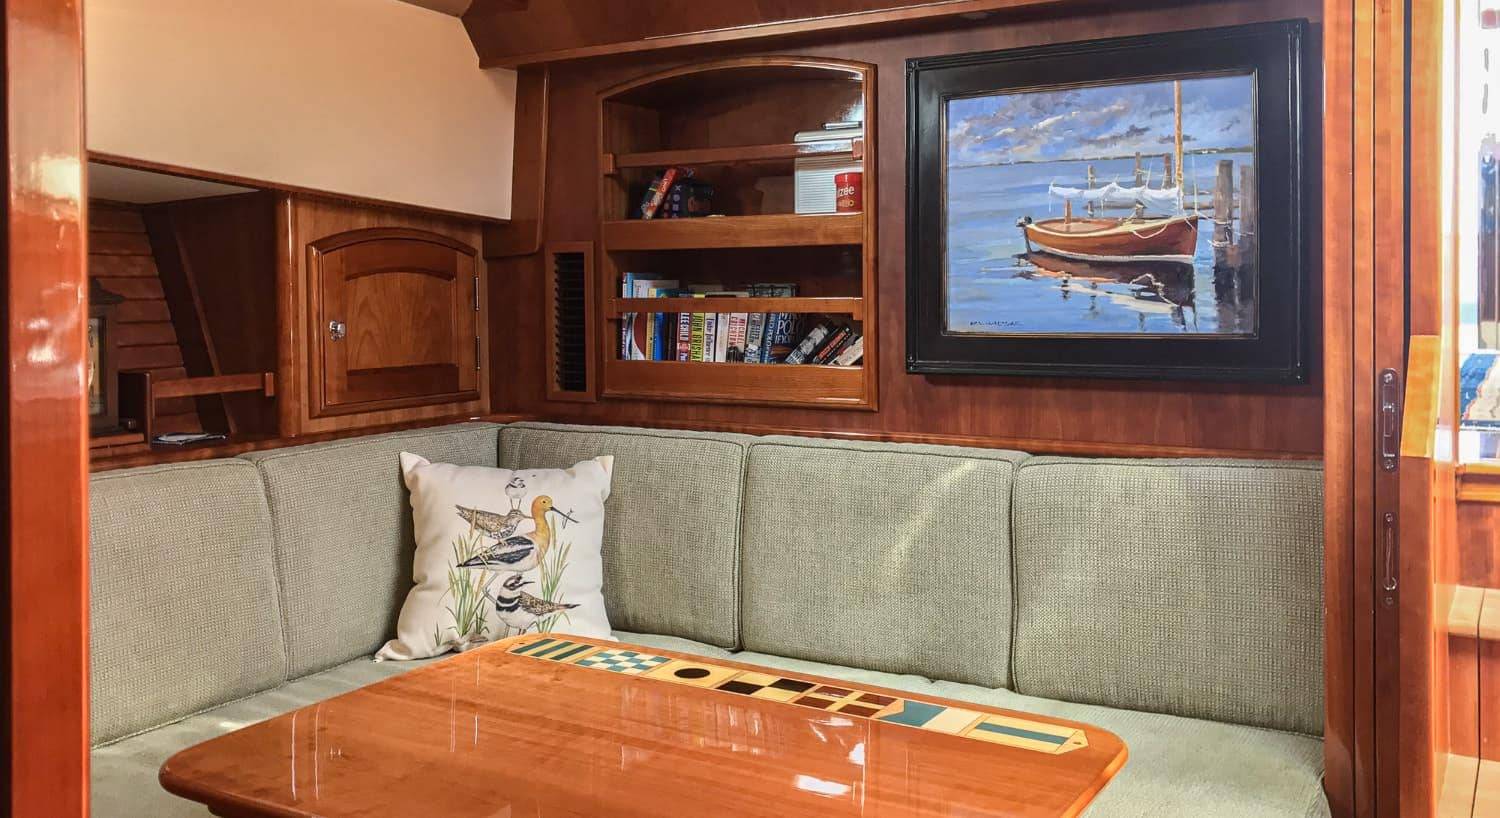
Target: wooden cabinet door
(395, 320)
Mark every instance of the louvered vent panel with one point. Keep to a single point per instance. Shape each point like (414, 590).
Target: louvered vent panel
(570, 322)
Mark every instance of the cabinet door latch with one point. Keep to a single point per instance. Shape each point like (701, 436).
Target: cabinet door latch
(1390, 419)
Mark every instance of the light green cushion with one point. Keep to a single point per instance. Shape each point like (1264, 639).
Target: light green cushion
(1191, 587)
(183, 603)
(343, 527)
(123, 775)
(671, 528)
(893, 557)
(1177, 767)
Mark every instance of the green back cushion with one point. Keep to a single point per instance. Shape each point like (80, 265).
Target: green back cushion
(344, 543)
(183, 606)
(892, 557)
(1190, 587)
(671, 528)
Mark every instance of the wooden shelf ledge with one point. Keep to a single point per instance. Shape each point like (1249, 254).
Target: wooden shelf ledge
(852, 307)
(263, 382)
(1475, 613)
(611, 163)
(737, 383)
(711, 232)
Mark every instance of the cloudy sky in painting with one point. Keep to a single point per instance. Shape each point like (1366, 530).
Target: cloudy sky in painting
(1100, 121)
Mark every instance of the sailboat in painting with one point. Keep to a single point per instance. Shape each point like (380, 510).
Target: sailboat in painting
(1139, 237)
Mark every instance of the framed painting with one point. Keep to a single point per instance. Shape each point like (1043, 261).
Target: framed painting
(1126, 208)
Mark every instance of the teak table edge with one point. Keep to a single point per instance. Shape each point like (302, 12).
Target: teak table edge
(228, 805)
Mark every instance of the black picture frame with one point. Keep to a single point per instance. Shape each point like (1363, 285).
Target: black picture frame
(1276, 352)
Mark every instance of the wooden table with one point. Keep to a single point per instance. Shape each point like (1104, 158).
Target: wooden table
(564, 726)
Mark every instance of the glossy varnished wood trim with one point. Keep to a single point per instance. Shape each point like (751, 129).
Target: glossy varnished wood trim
(261, 184)
(882, 17)
(852, 307)
(45, 514)
(778, 230)
(214, 450)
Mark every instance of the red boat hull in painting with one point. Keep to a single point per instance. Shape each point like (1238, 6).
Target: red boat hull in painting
(1116, 240)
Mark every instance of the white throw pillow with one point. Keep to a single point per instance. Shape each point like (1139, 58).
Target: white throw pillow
(502, 552)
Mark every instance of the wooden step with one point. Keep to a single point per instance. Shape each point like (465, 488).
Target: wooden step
(1475, 613)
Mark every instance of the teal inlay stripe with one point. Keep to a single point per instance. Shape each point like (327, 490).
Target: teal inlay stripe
(574, 652)
(533, 646)
(990, 727)
(556, 647)
(914, 714)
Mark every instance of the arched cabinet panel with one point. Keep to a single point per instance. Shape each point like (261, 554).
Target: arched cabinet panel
(391, 315)
(395, 319)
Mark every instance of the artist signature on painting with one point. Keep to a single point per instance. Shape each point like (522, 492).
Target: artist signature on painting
(994, 323)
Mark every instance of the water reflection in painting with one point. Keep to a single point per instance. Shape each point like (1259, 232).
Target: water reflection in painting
(1125, 209)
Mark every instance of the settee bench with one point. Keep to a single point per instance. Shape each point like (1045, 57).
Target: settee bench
(1177, 603)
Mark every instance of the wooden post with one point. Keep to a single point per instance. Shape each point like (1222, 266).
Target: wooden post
(1249, 219)
(1140, 174)
(1224, 214)
(1177, 116)
(1089, 206)
(1067, 211)
(1166, 171)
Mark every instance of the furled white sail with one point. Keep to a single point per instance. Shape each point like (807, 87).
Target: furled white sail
(1114, 193)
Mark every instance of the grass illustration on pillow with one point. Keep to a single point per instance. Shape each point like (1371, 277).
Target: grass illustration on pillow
(502, 553)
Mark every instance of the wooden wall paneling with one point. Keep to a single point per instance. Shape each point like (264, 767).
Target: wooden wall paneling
(195, 347)
(1427, 557)
(44, 579)
(122, 261)
(314, 219)
(291, 376)
(226, 248)
(1385, 183)
(506, 35)
(1346, 634)
(1081, 416)
(522, 235)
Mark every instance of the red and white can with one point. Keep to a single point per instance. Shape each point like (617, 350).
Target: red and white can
(850, 189)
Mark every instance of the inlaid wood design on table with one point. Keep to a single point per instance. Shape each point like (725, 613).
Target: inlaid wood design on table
(605, 729)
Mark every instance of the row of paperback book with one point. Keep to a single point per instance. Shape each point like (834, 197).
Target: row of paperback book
(741, 337)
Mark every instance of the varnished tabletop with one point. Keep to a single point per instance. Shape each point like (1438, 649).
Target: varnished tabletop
(564, 726)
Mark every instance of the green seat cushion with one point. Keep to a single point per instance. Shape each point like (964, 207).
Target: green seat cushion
(1190, 587)
(123, 774)
(182, 600)
(672, 521)
(1177, 767)
(894, 557)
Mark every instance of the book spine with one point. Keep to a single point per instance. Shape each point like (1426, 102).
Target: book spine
(831, 345)
(710, 335)
(700, 321)
(755, 330)
(648, 350)
(658, 193)
(737, 322)
(852, 353)
(684, 336)
(721, 338)
(805, 349)
(627, 288)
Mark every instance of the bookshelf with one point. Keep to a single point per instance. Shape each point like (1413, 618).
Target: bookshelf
(733, 123)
